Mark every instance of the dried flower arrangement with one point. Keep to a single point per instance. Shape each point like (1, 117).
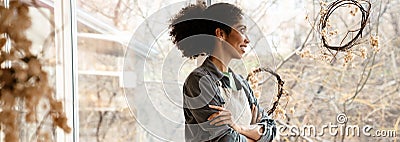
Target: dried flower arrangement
(324, 25)
(24, 87)
(329, 52)
(276, 109)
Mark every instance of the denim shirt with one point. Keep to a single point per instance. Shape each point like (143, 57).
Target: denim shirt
(200, 90)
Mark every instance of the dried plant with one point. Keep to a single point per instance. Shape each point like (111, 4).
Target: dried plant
(252, 77)
(328, 52)
(25, 90)
(324, 22)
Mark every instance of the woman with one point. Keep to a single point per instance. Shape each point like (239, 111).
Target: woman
(218, 104)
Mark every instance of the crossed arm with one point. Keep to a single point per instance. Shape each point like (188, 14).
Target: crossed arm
(224, 116)
(202, 107)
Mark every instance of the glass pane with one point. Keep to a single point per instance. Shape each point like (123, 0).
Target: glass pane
(105, 29)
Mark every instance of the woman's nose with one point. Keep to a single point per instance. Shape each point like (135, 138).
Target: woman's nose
(246, 39)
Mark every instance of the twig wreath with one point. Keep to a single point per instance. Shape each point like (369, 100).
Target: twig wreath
(325, 14)
(251, 77)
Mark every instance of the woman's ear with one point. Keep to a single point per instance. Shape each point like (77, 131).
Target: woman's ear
(220, 33)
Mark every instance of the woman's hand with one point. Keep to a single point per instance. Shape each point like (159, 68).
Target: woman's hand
(222, 117)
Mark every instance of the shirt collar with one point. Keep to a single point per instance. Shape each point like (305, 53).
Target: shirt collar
(209, 65)
(215, 72)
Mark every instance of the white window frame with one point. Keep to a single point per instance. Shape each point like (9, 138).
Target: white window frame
(66, 67)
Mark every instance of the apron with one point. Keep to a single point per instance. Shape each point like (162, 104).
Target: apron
(236, 102)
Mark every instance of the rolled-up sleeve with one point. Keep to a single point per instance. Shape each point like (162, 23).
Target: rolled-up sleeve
(268, 124)
(269, 130)
(261, 116)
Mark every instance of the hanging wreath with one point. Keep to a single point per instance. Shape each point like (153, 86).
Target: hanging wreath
(254, 85)
(326, 13)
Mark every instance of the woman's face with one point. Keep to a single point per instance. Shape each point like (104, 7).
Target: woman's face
(237, 39)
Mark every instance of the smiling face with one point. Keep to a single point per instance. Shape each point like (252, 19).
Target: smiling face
(237, 40)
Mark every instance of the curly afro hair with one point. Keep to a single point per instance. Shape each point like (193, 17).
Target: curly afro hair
(193, 28)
